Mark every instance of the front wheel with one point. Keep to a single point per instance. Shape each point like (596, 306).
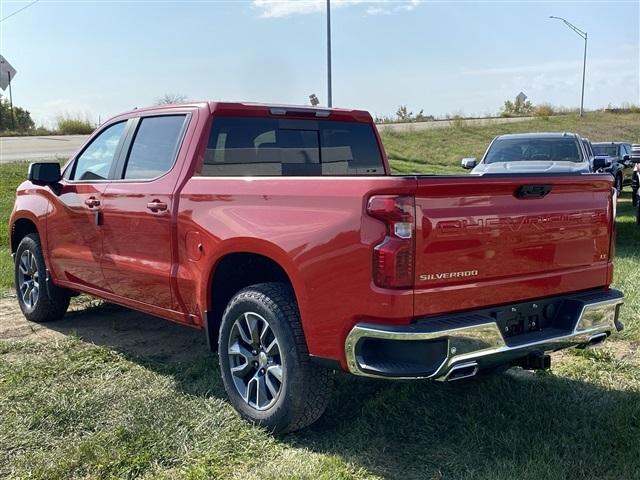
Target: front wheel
(265, 363)
(38, 301)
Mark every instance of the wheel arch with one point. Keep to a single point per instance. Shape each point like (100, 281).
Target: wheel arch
(20, 228)
(235, 270)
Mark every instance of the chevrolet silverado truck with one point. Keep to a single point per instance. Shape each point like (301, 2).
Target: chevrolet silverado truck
(281, 234)
(541, 153)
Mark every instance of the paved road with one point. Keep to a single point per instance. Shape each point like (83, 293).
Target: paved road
(39, 148)
(414, 126)
(63, 146)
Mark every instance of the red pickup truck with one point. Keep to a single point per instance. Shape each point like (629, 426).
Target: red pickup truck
(280, 232)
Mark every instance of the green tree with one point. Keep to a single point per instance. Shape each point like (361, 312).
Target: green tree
(21, 117)
(516, 108)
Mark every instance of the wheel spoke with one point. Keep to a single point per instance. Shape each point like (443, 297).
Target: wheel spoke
(273, 389)
(34, 265)
(252, 387)
(265, 334)
(254, 322)
(24, 288)
(276, 372)
(238, 349)
(261, 391)
(273, 348)
(23, 268)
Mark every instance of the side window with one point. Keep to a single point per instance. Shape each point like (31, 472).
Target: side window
(96, 160)
(154, 147)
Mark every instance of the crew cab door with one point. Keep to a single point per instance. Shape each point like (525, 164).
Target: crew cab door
(74, 236)
(137, 212)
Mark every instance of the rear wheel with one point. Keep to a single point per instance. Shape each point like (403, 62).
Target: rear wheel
(39, 300)
(265, 363)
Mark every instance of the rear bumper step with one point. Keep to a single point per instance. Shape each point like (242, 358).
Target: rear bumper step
(459, 346)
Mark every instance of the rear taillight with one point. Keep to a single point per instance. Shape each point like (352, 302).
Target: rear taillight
(393, 258)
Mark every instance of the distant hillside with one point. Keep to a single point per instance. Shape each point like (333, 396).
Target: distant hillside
(440, 150)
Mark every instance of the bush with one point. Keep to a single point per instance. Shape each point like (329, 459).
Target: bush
(21, 121)
(74, 125)
(516, 108)
(545, 110)
(458, 122)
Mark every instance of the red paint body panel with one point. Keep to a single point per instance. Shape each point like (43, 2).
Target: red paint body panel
(318, 231)
(520, 248)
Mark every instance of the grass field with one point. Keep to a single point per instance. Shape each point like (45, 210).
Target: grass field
(109, 393)
(440, 150)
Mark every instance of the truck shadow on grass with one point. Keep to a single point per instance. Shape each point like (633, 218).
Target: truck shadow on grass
(514, 425)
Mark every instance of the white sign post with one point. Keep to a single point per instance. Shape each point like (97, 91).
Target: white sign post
(7, 72)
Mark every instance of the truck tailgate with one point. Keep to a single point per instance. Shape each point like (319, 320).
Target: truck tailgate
(499, 239)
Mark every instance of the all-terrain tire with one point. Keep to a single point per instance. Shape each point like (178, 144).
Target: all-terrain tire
(39, 300)
(305, 388)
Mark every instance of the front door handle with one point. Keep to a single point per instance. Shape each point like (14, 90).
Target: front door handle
(92, 202)
(157, 206)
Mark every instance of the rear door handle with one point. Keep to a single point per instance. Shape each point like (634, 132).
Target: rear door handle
(157, 206)
(92, 202)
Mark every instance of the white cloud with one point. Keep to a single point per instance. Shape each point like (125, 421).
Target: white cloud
(285, 8)
(592, 64)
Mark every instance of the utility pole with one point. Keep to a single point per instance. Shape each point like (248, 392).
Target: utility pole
(329, 93)
(583, 35)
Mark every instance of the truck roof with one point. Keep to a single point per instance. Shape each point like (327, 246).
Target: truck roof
(538, 135)
(265, 109)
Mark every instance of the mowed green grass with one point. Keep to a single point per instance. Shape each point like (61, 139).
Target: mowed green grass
(439, 151)
(94, 404)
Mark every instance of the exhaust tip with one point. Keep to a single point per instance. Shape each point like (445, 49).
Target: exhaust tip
(463, 370)
(597, 339)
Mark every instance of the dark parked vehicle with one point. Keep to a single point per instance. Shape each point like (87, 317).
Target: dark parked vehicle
(620, 155)
(538, 153)
(635, 180)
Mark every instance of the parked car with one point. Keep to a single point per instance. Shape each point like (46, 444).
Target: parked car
(635, 181)
(280, 232)
(537, 153)
(620, 155)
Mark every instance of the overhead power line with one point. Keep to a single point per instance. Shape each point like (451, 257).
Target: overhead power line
(19, 10)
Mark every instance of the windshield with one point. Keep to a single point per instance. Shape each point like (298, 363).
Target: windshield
(611, 150)
(540, 149)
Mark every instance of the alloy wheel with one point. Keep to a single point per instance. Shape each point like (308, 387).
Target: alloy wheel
(28, 279)
(255, 360)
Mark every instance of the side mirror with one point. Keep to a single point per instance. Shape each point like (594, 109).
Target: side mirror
(600, 163)
(469, 163)
(626, 158)
(44, 173)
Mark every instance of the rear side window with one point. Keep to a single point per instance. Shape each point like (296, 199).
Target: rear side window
(154, 147)
(286, 147)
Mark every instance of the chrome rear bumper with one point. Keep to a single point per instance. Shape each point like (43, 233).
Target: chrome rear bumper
(460, 345)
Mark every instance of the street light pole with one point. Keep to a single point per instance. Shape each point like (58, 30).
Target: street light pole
(583, 35)
(329, 99)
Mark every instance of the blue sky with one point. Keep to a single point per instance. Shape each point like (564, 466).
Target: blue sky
(103, 57)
